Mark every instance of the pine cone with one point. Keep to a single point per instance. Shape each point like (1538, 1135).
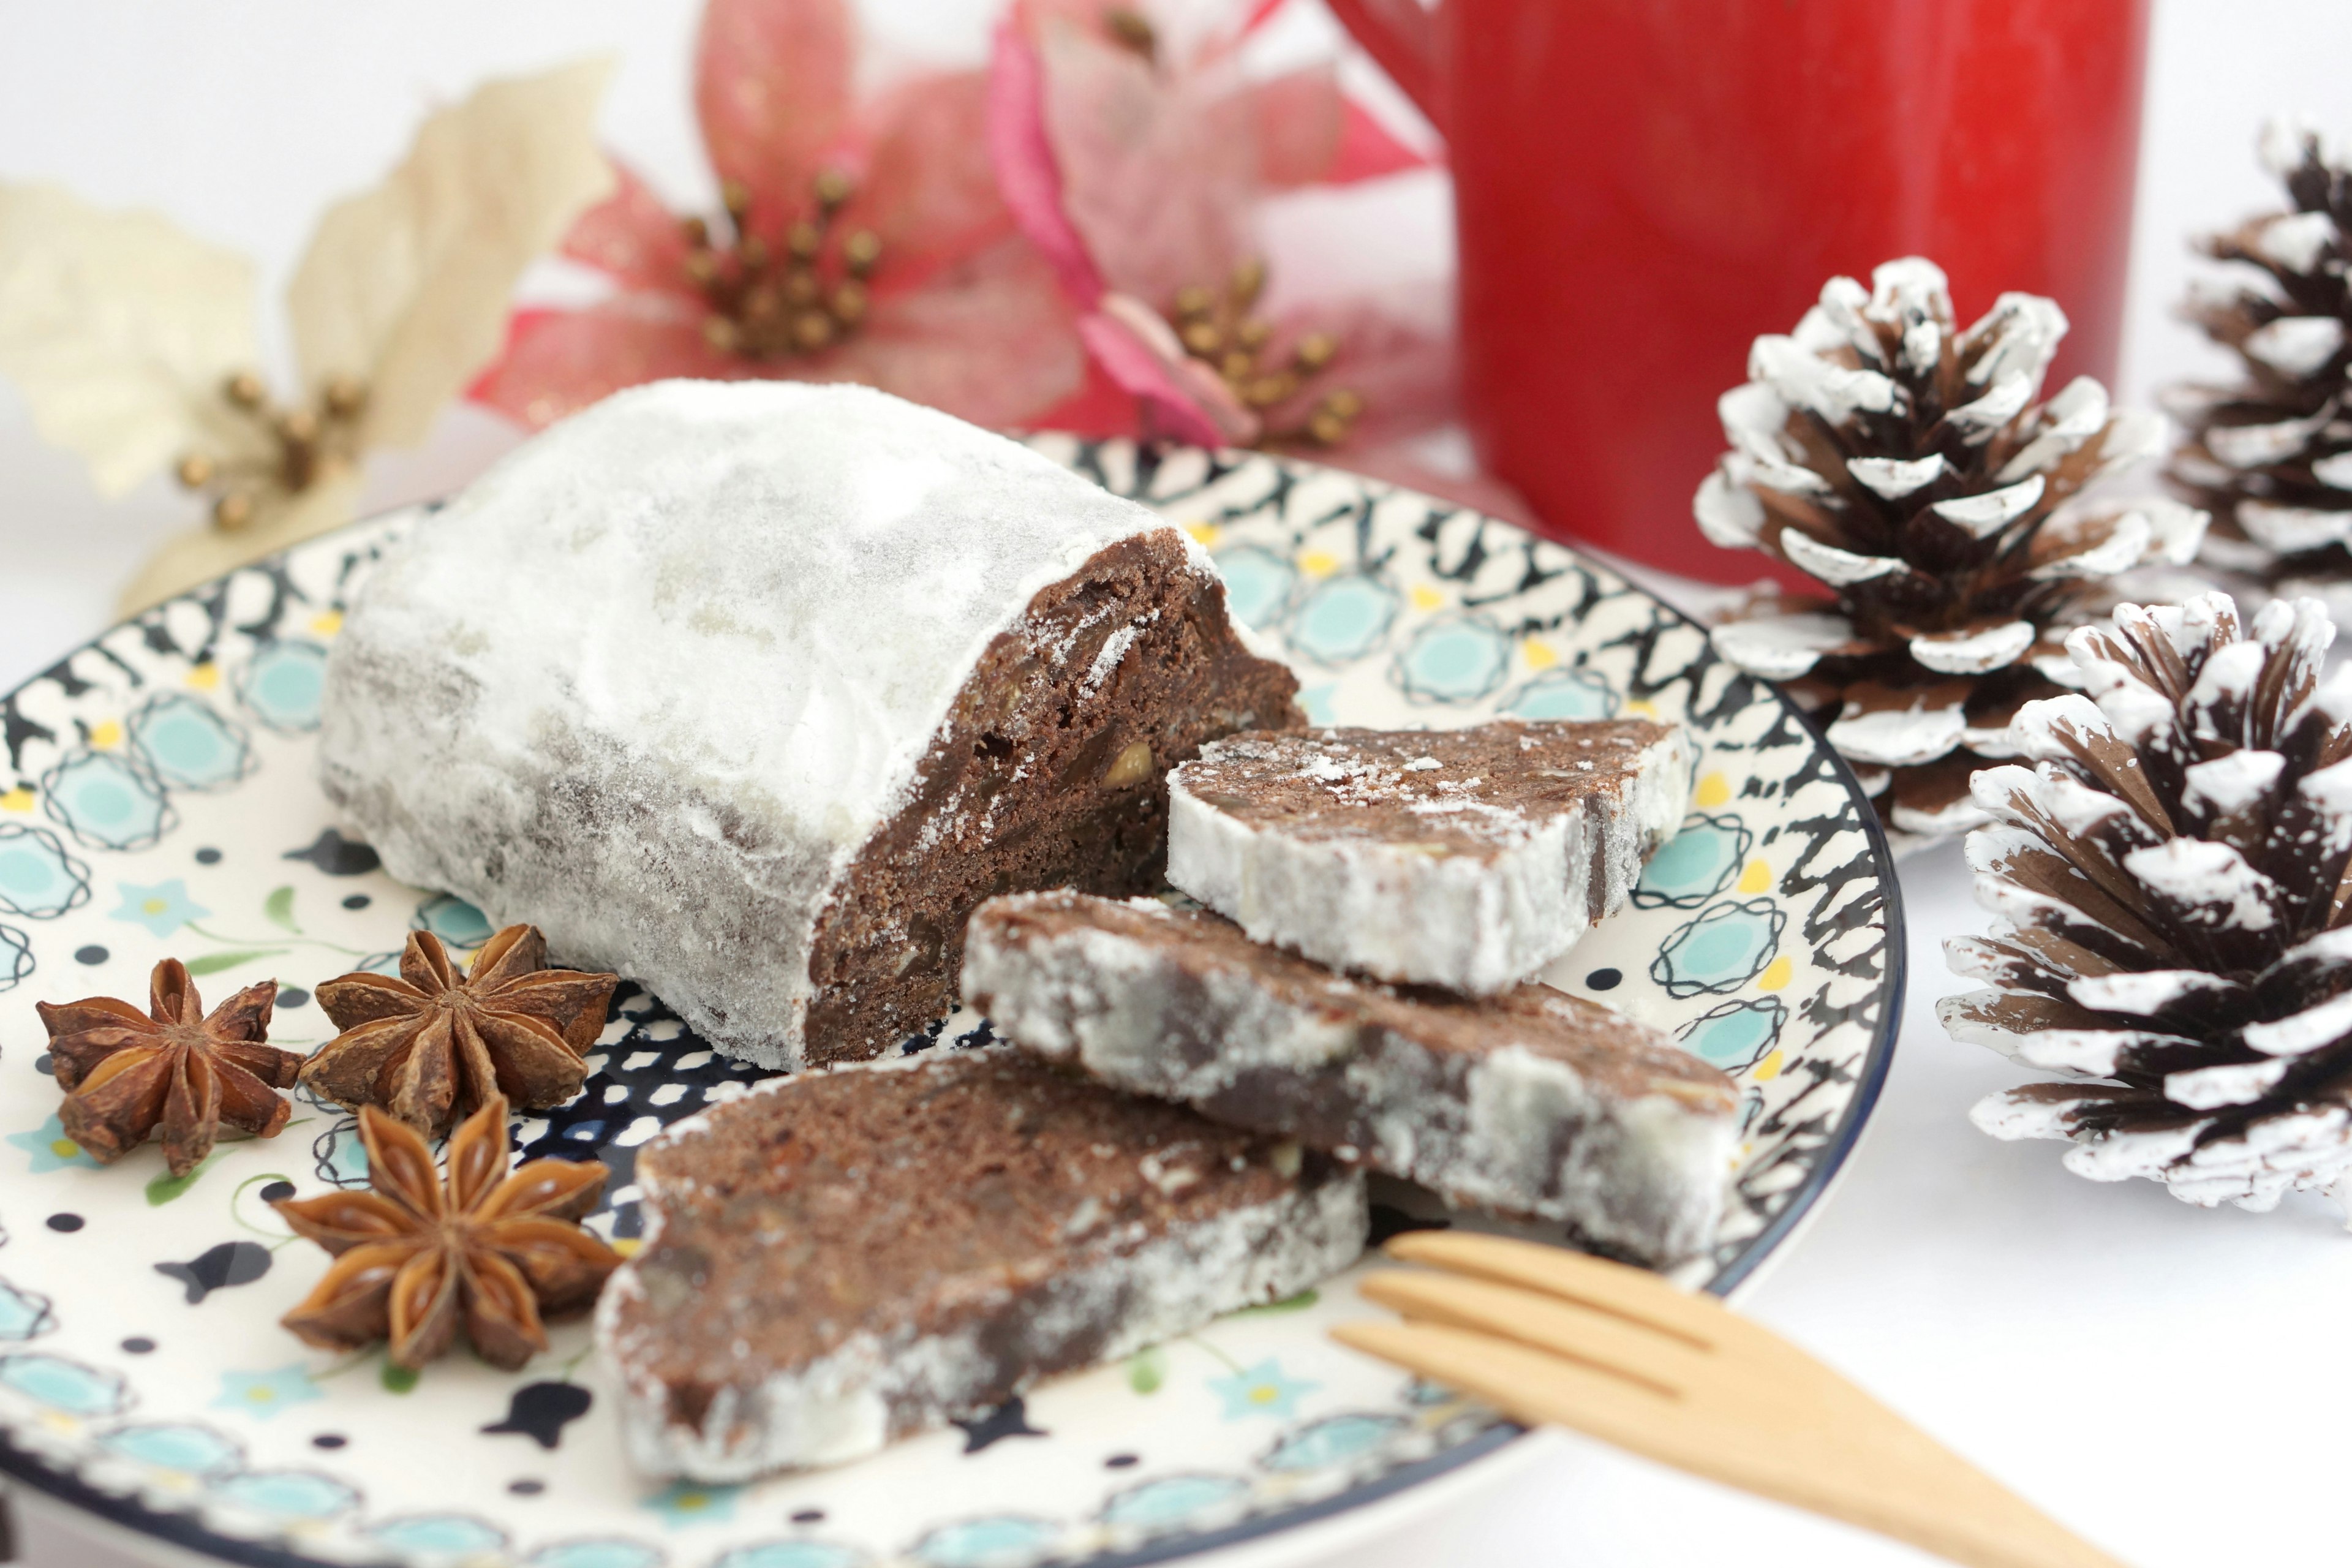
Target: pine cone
(1907, 467)
(2173, 931)
(2270, 457)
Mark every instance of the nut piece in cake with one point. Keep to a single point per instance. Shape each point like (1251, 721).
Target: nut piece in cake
(1467, 858)
(1530, 1103)
(838, 1258)
(750, 692)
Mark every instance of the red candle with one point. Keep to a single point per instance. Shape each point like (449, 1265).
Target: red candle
(1643, 186)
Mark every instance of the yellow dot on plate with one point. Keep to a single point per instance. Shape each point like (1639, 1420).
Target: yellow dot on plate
(1539, 655)
(1319, 562)
(1426, 597)
(17, 799)
(1768, 1069)
(1206, 533)
(106, 734)
(327, 622)
(1641, 708)
(1713, 790)
(261, 1395)
(628, 1246)
(1756, 878)
(63, 1148)
(204, 677)
(1776, 975)
(154, 906)
(686, 1502)
(1262, 1394)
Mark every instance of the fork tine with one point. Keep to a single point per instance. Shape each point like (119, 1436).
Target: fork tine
(1633, 1294)
(1602, 1340)
(1529, 1384)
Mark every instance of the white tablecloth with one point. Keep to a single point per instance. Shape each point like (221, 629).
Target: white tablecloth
(2168, 1380)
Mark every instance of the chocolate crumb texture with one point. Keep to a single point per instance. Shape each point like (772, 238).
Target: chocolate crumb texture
(841, 1257)
(1532, 1103)
(1467, 858)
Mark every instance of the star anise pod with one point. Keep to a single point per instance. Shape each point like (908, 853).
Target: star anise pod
(435, 1042)
(128, 1074)
(499, 1252)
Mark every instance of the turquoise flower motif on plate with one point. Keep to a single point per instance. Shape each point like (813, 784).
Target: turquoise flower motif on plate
(1258, 584)
(998, 1540)
(1261, 1390)
(1564, 694)
(282, 685)
(1334, 1440)
(1695, 865)
(453, 920)
(162, 908)
(440, 1535)
(181, 1446)
(1721, 950)
(105, 803)
(63, 1385)
(1736, 1036)
(1454, 659)
(37, 879)
(1343, 618)
(187, 745)
(23, 1314)
(606, 1551)
(1175, 1503)
(51, 1149)
(683, 1503)
(291, 1494)
(263, 1395)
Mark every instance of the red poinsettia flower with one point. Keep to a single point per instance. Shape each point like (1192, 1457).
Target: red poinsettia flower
(1134, 155)
(864, 240)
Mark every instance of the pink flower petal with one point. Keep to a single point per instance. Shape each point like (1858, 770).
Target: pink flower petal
(1298, 118)
(1404, 376)
(929, 189)
(772, 89)
(1155, 182)
(1186, 399)
(632, 236)
(1367, 150)
(988, 340)
(1026, 172)
(559, 360)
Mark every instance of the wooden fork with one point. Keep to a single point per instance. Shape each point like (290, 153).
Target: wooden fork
(1550, 1335)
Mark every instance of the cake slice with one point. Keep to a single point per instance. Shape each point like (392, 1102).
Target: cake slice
(838, 1258)
(1530, 1103)
(1467, 858)
(751, 690)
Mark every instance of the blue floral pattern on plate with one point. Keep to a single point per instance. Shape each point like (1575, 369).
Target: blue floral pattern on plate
(156, 798)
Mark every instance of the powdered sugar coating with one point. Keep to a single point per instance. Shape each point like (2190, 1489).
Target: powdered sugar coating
(652, 681)
(1539, 1104)
(1464, 859)
(1117, 1291)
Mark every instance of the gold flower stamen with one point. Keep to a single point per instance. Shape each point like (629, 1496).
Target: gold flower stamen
(292, 449)
(764, 306)
(1221, 328)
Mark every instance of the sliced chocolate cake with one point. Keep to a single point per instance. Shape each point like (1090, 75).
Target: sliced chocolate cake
(1467, 858)
(751, 690)
(1530, 1103)
(841, 1257)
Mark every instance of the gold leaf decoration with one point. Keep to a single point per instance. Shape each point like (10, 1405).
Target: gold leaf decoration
(404, 287)
(134, 342)
(118, 328)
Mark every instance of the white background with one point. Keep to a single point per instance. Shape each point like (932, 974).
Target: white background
(2171, 1383)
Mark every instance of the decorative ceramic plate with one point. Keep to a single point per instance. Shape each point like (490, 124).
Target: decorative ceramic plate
(156, 800)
